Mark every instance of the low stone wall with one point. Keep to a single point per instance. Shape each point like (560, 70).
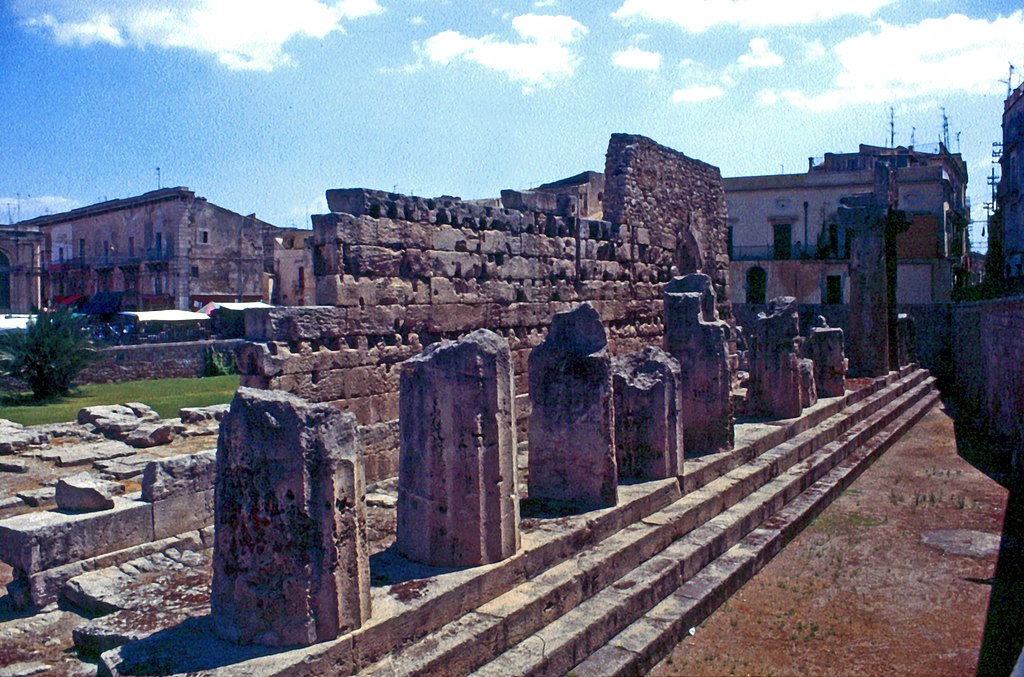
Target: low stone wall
(149, 361)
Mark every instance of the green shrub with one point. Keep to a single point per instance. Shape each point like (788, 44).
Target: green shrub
(216, 363)
(48, 355)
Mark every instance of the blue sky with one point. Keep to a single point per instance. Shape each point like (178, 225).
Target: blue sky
(262, 105)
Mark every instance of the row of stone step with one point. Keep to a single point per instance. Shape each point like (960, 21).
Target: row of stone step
(631, 570)
(443, 622)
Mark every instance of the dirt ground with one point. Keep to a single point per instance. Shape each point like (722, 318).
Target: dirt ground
(859, 592)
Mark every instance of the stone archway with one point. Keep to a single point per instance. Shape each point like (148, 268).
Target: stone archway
(5, 282)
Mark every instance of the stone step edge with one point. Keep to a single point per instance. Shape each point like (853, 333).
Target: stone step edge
(642, 644)
(794, 484)
(438, 652)
(702, 470)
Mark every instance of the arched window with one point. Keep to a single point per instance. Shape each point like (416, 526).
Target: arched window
(757, 285)
(5, 282)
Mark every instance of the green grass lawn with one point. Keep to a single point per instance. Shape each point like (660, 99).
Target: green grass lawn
(167, 396)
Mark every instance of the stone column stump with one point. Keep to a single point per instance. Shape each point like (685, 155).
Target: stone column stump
(774, 390)
(458, 502)
(648, 416)
(572, 429)
(698, 340)
(290, 564)
(808, 389)
(824, 346)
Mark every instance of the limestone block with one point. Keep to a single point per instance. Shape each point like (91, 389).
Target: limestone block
(648, 416)
(808, 389)
(181, 513)
(179, 475)
(774, 390)
(112, 419)
(215, 412)
(906, 339)
(824, 345)
(83, 492)
(290, 559)
(143, 411)
(702, 350)
(572, 428)
(458, 501)
(151, 435)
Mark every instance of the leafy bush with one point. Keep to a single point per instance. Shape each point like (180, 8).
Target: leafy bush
(216, 363)
(48, 355)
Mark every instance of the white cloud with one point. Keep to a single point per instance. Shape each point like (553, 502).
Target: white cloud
(417, 21)
(767, 97)
(241, 34)
(814, 50)
(21, 208)
(952, 55)
(697, 94)
(634, 58)
(540, 4)
(697, 16)
(543, 57)
(759, 56)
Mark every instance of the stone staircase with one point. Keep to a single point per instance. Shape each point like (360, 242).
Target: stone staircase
(610, 591)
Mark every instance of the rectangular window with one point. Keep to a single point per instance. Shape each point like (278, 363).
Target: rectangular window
(81, 248)
(159, 243)
(106, 249)
(195, 271)
(60, 253)
(204, 237)
(833, 289)
(302, 277)
(783, 241)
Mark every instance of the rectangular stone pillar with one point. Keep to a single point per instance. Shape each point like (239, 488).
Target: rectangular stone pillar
(290, 564)
(572, 429)
(774, 390)
(458, 502)
(648, 416)
(698, 340)
(824, 346)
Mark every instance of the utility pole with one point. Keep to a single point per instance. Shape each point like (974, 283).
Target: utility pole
(892, 128)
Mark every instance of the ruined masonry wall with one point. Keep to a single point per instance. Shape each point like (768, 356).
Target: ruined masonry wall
(401, 272)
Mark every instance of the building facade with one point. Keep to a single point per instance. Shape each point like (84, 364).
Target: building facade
(1011, 184)
(164, 249)
(288, 267)
(20, 262)
(786, 239)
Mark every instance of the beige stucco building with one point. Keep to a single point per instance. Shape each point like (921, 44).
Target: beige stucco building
(786, 240)
(20, 260)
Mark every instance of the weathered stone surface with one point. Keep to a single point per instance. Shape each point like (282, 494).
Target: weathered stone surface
(84, 492)
(14, 465)
(648, 416)
(458, 499)
(35, 498)
(824, 346)
(125, 468)
(151, 435)
(112, 419)
(572, 430)
(774, 390)
(193, 415)
(808, 389)
(179, 475)
(701, 348)
(290, 558)
(16, 437)
(143, 411)
(70, 455)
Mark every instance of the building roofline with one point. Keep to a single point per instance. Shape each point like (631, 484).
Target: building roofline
(160, 195)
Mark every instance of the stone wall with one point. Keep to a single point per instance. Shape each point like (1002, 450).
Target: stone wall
(395, 273)
(671, 209)
(157, 360)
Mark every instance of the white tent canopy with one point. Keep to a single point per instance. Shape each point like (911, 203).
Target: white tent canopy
(166, 316)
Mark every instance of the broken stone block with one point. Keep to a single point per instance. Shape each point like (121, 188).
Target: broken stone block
(85, 493)
(192, 415)
(572, 430)
(35, 498)
(824, 346)
(701, 347)
(290, 559)
(151, 435)
(774, 390)
(648, 416)
(15, 465)
(808, 390)
(143, 411)
(458, 501)
(179, 475)
(16, 437)
(112, 419)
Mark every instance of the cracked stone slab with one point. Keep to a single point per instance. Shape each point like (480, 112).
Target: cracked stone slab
(962, 542)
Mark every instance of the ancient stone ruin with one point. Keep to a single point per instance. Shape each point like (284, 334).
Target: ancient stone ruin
(572, 430)
(824, 347)
(697, 339)
(775, 390)
(290, 563)
(648, 415)
(458, 502)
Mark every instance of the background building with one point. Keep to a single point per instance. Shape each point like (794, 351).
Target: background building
(20, 258)
(1011, 206)
(785, 239)
(164, 249)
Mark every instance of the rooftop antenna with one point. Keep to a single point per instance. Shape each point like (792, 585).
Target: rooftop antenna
(958, 141)
(913, 131)
(1009, 82)
(892, 128)
(159, 184)
(945, 128)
